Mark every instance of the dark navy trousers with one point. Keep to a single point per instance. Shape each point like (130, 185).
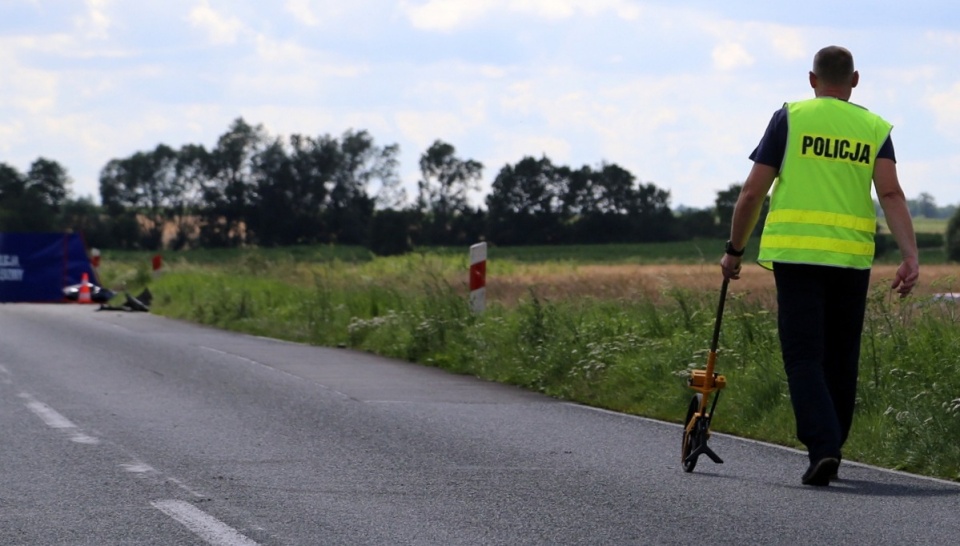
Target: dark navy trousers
(820, 321)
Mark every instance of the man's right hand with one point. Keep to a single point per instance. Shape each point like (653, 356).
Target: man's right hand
(730, 265)
(907, 276)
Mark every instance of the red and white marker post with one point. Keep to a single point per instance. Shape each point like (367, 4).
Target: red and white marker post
(478, 277)
(95, 262)
(157, 263)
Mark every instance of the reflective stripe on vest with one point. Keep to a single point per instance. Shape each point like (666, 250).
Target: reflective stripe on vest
(817, 237)
(822, 218)
(827, 244)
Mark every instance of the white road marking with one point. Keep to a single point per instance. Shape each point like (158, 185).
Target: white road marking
(277, 370)
(53, 419)
(137, 468)
(185, 487)
(765, 444)
(205, 526)
(238, 357)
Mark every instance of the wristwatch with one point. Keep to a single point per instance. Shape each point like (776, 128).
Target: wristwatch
(733, 251)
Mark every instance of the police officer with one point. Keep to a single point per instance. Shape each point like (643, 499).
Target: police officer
(818, 237)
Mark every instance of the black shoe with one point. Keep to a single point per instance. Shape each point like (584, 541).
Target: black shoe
(821, 472)
(836, 476)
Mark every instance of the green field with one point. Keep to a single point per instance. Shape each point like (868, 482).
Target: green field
(930, 225)
(626, 354)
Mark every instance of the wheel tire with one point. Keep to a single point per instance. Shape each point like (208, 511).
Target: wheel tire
(691, 439)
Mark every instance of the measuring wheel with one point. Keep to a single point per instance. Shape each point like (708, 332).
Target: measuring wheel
(691, 435)
(696, 429)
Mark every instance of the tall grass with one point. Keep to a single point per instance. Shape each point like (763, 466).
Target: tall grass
(631, 354)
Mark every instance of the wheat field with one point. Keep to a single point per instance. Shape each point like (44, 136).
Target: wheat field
(653, 281)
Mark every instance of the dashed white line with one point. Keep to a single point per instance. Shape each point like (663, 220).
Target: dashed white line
(138, 468)
(53, 419)
(205, 526)
(185, 487)
(271, 368)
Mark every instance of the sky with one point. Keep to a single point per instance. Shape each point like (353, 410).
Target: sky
(677, 92)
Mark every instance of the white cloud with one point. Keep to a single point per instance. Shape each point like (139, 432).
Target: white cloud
(95, 23)
(303, 11)
(220, 29)
(676, 92)
(277, 51)
(755, 39)
(445, 15)
(944, 39)
(425, 126)
(731, 56)
(448, 15)
(945, 106)
(562, 9)
(292, 70)
(10, 133)
(789, 43)
(26, 90)
(510, 147)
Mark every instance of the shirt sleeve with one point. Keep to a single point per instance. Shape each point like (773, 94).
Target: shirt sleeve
(886, 151)
(773, 145)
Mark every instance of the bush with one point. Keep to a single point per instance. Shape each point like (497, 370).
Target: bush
(952, 242)
(930, 240)
(390, 233)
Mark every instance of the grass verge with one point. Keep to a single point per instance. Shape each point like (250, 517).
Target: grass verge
(629, 354)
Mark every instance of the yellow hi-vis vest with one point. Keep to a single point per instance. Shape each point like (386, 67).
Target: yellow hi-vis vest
(821, 210)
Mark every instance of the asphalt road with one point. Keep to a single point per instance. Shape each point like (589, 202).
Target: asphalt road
(127, 428)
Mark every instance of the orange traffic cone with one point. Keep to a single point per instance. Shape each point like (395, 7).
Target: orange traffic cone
(84, 295)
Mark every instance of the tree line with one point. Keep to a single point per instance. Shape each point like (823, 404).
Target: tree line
(253, 188)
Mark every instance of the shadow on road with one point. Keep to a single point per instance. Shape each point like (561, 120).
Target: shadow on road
(881, 489)
(847, 486)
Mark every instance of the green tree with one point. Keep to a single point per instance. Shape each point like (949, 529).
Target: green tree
(693, 223)
(49, 181)
(724, 204)
(726, 201)
(604, 200)
(444, 187)
(192, 171)
(526, 203)
(12, 184)
(85, 216)
(360, 163)
(654, 221)
(926, 205)
(322, 185)
(391, 231)
(228, 194)
(123, 229)
(611, 206)
(286, 211)
(145, 186)
(607, 190)
(25, 204)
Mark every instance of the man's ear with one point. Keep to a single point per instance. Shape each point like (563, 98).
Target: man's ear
(855, 79)
(813, 80)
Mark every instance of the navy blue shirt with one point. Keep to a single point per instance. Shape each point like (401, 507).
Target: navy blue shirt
(773, 145)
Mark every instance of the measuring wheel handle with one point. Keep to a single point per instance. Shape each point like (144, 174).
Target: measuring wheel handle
(696, 429)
